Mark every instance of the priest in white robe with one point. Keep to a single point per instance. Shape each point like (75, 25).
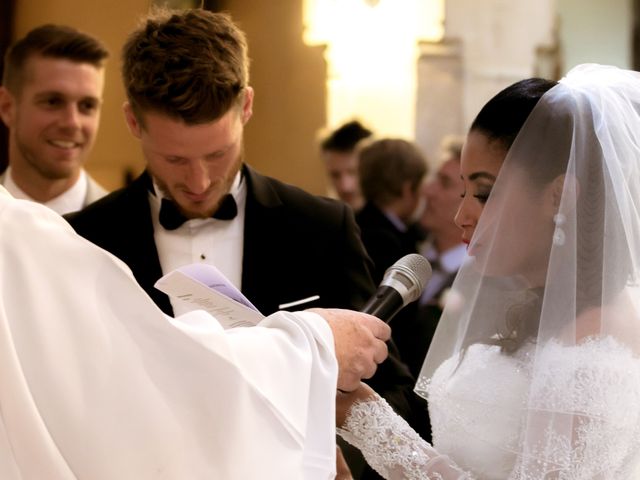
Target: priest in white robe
(97, 383)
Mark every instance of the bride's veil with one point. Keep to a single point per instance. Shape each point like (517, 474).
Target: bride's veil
(553, 278)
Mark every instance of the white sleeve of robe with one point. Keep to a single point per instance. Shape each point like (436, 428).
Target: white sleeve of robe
(97, 383)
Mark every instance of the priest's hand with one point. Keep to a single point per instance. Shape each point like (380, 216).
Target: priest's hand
(359, 342)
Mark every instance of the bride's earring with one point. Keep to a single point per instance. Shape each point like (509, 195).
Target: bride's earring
(558, 234)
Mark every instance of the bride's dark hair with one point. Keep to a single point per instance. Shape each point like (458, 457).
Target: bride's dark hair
(502, 117)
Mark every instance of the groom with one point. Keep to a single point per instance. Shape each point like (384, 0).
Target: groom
(186, 77)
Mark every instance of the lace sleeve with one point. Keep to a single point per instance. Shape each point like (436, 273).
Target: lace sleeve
(392, 447)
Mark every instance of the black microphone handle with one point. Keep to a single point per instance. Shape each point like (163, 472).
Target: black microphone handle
(384, 304)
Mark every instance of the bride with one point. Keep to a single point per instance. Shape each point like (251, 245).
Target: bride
(534, 371)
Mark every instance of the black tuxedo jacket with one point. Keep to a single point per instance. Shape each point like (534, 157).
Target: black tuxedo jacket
(295, 245)
(385, 245)
(383, 241)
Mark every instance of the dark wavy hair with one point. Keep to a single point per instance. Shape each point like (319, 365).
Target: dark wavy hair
(346, 137)
(385, 165)
(191, 65)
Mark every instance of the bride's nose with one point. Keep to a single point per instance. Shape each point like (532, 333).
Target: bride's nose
(466, 217)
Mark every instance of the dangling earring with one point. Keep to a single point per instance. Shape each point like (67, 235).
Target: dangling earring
(558, 233)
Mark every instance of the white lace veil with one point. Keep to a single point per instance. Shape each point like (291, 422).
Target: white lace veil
(549, 274)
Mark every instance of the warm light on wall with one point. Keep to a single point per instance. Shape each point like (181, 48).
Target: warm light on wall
(372, 48)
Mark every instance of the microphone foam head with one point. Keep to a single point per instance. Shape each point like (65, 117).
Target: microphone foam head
(411, 272)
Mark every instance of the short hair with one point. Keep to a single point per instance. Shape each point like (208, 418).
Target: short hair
(50, 41)
(504, 115)
(386, 165)
(451, 147)
(191, 65)
(345, 138)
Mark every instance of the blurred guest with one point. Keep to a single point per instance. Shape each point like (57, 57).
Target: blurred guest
(443, 248)
(50, 101)
(341, 161)
(391, 173)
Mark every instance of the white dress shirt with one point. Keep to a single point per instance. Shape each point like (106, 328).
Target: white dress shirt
(444, 265)
(395, 220)
(202, 240)
(69, 201)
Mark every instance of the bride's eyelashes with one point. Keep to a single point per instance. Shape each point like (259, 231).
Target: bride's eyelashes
(482, 195)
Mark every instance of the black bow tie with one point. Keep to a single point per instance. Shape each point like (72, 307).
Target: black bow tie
(171, 217)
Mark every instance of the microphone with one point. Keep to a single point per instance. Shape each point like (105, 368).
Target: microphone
(402, 283)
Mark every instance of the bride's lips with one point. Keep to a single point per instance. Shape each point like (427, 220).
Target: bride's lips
(471, 249)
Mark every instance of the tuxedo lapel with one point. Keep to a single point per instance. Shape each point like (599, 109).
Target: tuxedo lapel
(262, 230)
(121, 224)
(140, 249)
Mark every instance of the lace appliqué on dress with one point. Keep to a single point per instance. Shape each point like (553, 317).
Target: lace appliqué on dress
(547, 411)
(583, 418)
(392, 447)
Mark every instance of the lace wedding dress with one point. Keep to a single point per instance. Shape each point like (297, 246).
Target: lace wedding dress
(479, 410)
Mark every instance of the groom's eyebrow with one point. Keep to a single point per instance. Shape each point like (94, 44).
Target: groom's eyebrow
(477, 175)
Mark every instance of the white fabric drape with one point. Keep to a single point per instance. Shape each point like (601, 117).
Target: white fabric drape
(96, 383)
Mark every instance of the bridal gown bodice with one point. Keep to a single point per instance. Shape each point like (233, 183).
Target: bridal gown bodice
(482, 406)
(481, 402)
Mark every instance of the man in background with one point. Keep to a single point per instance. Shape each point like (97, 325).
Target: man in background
(50, 101)
(341, 161)
(443, 247)
(391, 173)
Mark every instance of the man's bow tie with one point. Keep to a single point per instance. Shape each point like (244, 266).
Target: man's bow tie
(171, 218)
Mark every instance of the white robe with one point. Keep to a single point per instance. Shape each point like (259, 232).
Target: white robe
(97, 383)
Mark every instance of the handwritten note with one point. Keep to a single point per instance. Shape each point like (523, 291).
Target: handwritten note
(205, 288)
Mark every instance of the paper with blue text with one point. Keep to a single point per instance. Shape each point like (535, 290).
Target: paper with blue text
(206, 288)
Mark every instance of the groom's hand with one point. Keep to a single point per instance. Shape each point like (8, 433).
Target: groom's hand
(360, 344)
(342, 469)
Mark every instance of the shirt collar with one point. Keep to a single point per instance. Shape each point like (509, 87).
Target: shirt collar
(395, 219)
(71, 200)
(450, 260)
